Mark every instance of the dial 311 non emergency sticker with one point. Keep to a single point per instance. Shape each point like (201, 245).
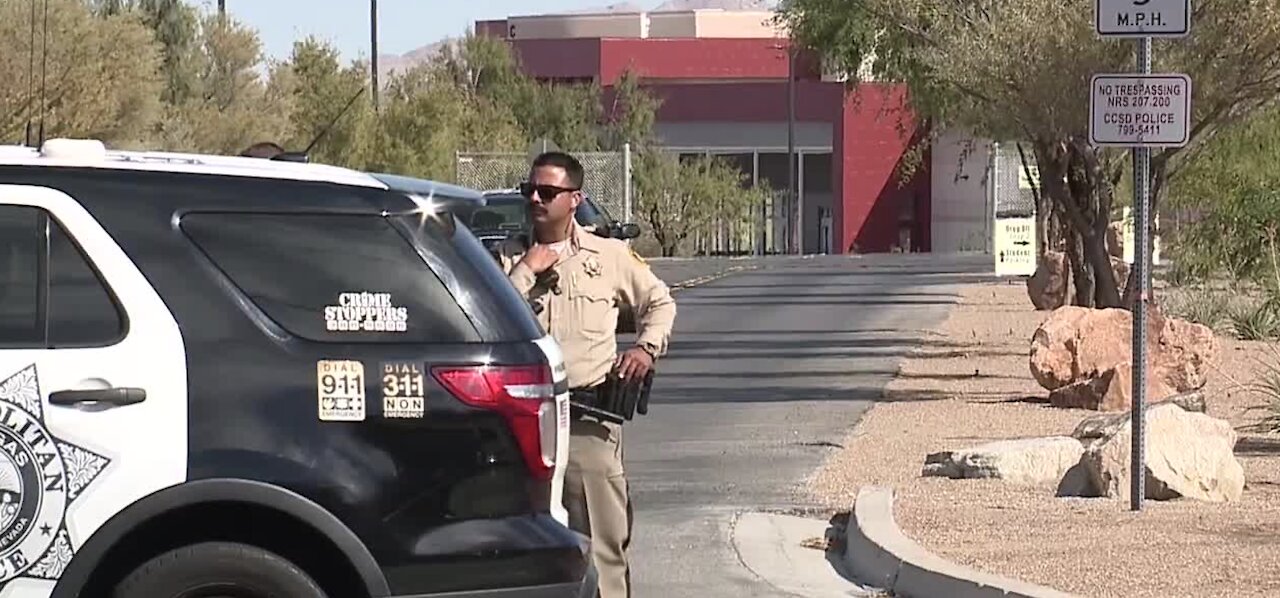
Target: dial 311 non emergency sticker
(402, 392)
(340, 385)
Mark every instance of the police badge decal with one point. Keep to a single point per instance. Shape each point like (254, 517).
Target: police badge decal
(40, 476)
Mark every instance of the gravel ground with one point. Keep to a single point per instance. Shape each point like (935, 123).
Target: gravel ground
(971, 384)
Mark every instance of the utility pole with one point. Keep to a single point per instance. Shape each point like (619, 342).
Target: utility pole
(373, 38)
(793, 198)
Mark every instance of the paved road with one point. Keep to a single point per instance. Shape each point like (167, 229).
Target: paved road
(768, 370)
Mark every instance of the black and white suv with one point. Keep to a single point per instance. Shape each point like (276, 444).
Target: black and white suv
(238, 377)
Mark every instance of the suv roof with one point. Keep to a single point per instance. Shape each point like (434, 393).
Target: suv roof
(81, 153)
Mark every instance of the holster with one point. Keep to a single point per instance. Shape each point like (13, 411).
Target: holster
(615, 399)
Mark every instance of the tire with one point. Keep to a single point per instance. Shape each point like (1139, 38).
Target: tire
(218, 570)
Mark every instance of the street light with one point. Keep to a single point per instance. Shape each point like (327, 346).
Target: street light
(795, 228)
(792, 196)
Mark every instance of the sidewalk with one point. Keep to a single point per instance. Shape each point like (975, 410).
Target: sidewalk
(967, 386)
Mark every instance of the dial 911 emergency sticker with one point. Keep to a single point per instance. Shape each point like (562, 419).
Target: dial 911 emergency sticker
(402, 391)
(340, 386)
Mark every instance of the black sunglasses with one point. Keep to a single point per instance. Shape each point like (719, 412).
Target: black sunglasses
(544, 191)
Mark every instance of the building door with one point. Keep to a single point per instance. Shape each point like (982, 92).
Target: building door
(824, 230)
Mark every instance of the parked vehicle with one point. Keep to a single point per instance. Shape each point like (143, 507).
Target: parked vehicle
(504, 214)
(268, 378)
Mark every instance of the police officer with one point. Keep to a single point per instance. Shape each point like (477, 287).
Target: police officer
(574, 280)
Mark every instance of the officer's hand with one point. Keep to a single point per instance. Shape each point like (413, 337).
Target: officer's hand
(634, 363)
(539, 258)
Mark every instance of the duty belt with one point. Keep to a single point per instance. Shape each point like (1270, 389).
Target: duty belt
(614, 400)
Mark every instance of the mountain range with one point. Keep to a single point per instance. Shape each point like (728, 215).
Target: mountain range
(389, 63)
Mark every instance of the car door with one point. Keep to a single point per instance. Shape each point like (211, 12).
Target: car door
(92, 386)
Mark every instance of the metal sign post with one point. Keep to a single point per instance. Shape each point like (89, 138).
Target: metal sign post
(1140, 112)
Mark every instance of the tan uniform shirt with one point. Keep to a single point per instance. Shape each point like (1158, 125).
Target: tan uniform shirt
(597, 275)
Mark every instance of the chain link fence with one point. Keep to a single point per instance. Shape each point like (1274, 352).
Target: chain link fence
(1014, 197)
(608, 175)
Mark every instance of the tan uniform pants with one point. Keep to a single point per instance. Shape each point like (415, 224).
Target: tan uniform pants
(598, 502)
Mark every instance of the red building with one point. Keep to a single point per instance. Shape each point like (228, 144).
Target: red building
(722, 78)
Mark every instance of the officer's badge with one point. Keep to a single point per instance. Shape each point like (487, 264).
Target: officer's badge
(591, 266)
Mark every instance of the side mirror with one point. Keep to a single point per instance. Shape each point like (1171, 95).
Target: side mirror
(628, 231)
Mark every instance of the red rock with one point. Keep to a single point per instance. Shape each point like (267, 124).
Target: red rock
(1077, 344)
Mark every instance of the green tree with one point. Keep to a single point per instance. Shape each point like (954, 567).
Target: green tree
(175, 24)
(678, 198)
(1232, 191)
(228, 106)
(567, 114)
(1018, 70)
(319, 89)
(630, 115)
(426, 118)
(100, 78)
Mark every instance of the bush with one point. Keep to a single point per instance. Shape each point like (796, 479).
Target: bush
(1255, 322)
(1267, 385)
(1201, 306)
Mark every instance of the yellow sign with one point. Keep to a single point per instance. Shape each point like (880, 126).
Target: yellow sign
(1015, 246)
(1024, 181)
(1128, 236)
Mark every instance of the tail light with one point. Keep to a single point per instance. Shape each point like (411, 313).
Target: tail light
(523, 395)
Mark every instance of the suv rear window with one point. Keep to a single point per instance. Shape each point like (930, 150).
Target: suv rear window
(345, 278)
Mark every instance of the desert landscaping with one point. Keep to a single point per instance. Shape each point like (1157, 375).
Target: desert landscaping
(1006, 441)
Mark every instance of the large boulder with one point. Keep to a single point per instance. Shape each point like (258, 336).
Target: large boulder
(1077, 343)
(1029, 461)
(1083, 356)
(1104, 424)
(1187, 455)
(1112, 390)
(1050, 287)
(1183, 353)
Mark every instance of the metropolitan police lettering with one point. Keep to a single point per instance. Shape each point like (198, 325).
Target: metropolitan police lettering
(365, 312)
(40, 477)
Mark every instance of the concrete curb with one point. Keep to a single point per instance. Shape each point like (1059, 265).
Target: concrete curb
(877, 553)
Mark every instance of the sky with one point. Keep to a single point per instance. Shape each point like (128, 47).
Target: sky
(404, 25)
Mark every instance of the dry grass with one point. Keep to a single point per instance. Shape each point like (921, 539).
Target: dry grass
(974, 387)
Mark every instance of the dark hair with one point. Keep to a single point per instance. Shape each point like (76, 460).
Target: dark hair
(572, 167)
(262, 149)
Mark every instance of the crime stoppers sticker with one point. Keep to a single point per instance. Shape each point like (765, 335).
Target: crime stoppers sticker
(403, 395)
(365, 312)
(340, 385)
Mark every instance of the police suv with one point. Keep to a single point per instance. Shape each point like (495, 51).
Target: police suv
(225, 376)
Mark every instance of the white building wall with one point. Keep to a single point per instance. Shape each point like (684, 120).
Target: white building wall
(960, 211)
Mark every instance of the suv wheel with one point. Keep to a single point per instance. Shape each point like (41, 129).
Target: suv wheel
(218, 570)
